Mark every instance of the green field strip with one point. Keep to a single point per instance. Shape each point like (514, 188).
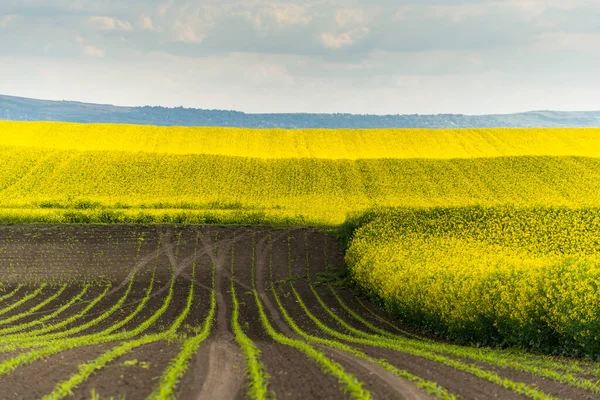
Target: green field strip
(25, 340)
(403, 345)
(348, 382)
(57, 312)
(180, 364)
(29, 338)
(34, 308)
(13, 342)
(48, 348)
(11, 294)
(388, 323)
(258, 379)
(64, 389)
(424, 351)
(488, 356)
(423, 384)
(24, 299)
(509, 356)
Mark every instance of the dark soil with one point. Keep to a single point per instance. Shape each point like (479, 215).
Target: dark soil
(76, 254)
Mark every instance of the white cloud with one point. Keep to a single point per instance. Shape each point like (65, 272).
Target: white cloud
(7, 20)
(146, 23)
(351, 17)
(187, 33)
(92, 51)
(460, 12)
(346, 39)
(89, 50)
(352, 25)
(561, 41)
(110, 24)
(289, 14)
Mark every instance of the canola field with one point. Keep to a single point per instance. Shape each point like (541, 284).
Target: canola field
(60, 172)
(516, 277)
(490, 235)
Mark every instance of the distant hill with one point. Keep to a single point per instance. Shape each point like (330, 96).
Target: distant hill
(24, 109)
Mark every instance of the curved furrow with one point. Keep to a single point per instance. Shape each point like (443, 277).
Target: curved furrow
(427, 386)
(483, 356)
(14, 341)
(505, 357)
(24, 299)
(47, 349)
(179, 365)
(30, 339)
(9, 295)
(348, 382)
(65, 388)
(35, 308)
(360, 337)
(258, 379)
(54, 314)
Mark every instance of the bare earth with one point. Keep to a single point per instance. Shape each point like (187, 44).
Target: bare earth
(301, 259)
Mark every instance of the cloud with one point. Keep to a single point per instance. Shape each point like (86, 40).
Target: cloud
(146, 23)
(92, 51)
(89, 50)
(110, 24)
(7, 20)
(346, 39)
(564, 41)
(289, 14)
(315, 54)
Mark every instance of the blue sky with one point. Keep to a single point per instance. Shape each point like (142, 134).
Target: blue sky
(379, 56)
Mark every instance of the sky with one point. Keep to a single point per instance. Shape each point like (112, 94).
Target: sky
(324, 56)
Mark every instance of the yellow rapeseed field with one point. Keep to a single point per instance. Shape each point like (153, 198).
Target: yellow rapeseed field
(317, 176)
(306, 143)
(526, 277)
(508, 256)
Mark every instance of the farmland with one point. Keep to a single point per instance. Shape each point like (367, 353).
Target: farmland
(208, 312)
(114, 173)
(145, 262)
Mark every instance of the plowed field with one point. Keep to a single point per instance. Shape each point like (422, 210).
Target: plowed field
(206, 312)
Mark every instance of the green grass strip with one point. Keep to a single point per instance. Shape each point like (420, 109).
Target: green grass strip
(179, 365)
(348, 381)
(23, 299)
(34, 308)
(32, 338)
(11, 294)
(424, 350)
(258, 379)
(482, 355)
(65, 388)
(427, 386)
(53, 347)
(24, 340)
(60, 310)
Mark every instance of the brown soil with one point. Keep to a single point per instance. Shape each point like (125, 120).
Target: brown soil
(31, 254)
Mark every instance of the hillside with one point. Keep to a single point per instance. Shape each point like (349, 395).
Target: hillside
(310, 176)
(24, 109)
